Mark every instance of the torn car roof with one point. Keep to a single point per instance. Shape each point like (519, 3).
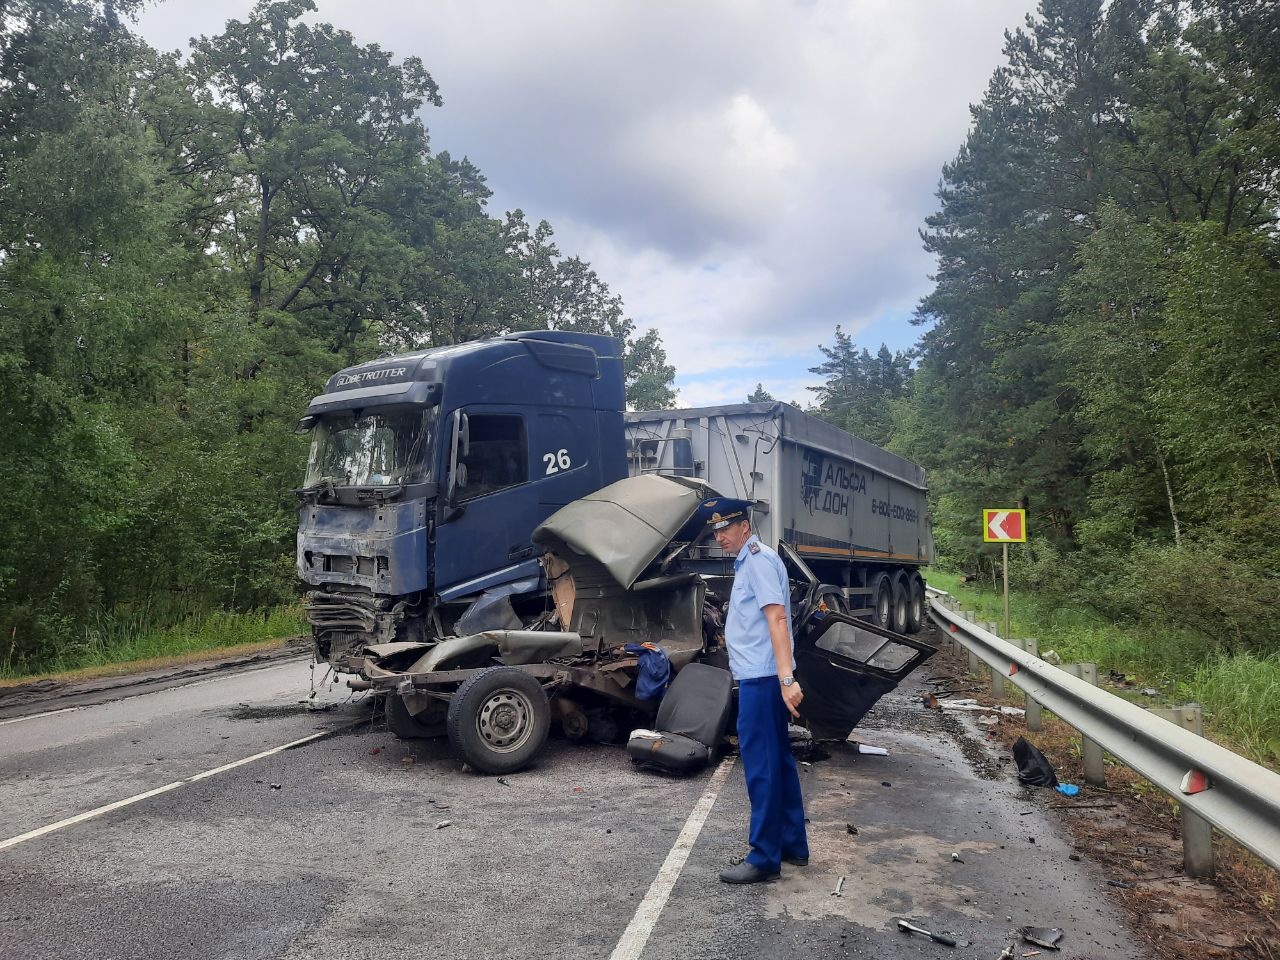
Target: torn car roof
(627, 524)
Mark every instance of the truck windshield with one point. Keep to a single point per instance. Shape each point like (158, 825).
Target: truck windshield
(373, 450)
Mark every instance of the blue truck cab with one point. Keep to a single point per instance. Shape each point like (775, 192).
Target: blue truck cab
(429, 471)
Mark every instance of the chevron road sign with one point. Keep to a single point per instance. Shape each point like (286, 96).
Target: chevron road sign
(1004, 526)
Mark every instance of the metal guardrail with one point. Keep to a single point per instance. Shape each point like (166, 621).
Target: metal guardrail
(1234, 795)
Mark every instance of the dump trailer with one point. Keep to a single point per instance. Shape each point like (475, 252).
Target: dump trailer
(855, 513)
(483, 532)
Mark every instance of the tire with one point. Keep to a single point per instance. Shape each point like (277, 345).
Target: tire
(408, 727)
(901, 600)
(499, 720)
(882, 598)
(915, 604)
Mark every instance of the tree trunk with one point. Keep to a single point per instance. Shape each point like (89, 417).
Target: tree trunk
(1168, 491)
(260, 254)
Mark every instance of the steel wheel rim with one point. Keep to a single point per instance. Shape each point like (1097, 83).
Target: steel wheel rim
(505, 720)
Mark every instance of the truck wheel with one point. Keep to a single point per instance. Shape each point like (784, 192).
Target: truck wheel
(499, 719)
(406, 726)
(915, 605)
(882, 612)
(901, 600)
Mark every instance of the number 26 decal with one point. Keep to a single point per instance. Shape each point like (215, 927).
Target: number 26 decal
(557, 461)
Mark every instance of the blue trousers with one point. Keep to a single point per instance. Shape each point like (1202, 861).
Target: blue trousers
(773, 782)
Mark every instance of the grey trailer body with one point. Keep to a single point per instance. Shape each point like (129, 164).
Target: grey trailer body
(856, 513)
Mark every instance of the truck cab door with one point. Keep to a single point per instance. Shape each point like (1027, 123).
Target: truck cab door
(505, 470)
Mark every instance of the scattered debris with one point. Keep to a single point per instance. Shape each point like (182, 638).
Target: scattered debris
(1033, 767)
(444, 823)
(1122, 884)
(839, 890)
(956, 858)
(504, 781)
(973, 706)
(1047, 937)
(275, 786)
(885, 783)
(931, 702)
(989, 721)
(375, 751)
(407, 760)
(1051, 656)
(1067, 789)
(868, 750)
(942, 938)
(850, 829)
(1075, 856)
(1081, 806)
(1009, 952)
(1150, 692)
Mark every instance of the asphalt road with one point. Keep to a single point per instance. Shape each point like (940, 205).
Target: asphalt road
(333, 848)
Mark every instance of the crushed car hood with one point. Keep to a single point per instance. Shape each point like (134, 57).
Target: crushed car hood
(627, 524)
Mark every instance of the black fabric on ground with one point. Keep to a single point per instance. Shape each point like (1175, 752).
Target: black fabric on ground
(1033, 766)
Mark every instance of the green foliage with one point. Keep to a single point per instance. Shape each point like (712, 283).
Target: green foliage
(760, 395)
(188, 249)
(860, 389)
(1102, 338)
(1240, 689)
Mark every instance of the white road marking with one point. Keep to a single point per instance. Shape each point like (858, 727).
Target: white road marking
(634, 938)
(99, 811)
(37, 716)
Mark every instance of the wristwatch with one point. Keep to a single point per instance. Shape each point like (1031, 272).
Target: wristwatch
(786, 681)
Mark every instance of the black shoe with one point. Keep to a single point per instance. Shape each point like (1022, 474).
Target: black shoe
(796, 861)
(747, 873)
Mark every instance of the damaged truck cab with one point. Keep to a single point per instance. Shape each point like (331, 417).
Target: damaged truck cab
(429, 471)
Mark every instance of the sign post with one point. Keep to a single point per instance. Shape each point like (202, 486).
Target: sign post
(1004, 527)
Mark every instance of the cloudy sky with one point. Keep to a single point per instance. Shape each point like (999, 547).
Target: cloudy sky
(747, 174)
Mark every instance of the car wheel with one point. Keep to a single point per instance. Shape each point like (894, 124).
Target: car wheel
(429, 723)
(499, 719)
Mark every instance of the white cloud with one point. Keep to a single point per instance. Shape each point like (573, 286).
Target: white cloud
(745, 173)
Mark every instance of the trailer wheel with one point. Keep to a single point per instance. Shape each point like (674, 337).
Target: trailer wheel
(499, 719)
(915, 605)
(901, 600)
(882, 612)
(406, 726)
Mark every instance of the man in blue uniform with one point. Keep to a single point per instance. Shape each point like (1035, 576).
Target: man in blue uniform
(761, 657)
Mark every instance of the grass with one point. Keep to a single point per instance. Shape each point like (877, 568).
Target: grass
(1239, 692)
(114, 646)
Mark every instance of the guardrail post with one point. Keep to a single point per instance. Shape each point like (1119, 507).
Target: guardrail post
(1035, 715)
(997, 678)
(1094, 771)
(1197, 832)
(975, 661)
